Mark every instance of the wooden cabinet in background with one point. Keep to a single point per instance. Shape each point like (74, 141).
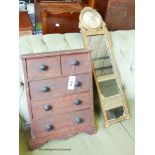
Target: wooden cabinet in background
(58, 16)
(100, 6)
(58, 19)
(117, 14)
(25, 25)
(63, 17)
(120, 15)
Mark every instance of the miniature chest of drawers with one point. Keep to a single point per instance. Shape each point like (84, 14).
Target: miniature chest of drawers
(56, 111)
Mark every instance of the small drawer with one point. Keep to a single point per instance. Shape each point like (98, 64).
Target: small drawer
(75, 64)
(61, 123)
(54, 88)
(42, 67)
(63, 105)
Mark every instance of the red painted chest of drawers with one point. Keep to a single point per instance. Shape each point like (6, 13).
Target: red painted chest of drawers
(55, 111)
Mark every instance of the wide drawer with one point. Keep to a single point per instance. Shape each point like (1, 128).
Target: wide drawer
(42, 67)
(63, 105)
(53, 88)
(75, 64)
(61, 123)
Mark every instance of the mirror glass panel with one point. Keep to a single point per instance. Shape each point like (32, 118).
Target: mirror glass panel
(108, 88)
(105, 77)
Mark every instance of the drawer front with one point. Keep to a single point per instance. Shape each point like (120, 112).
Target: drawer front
(53, 88)
(75, 64)
(42, 67)
(63, 105)
(61, 123)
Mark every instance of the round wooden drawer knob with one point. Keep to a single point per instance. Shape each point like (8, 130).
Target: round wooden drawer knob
(75, 62)
(49, 127)
(46, 89)
(77, 102)
(79, 120)
(47, 107)
(43, 67)
(77, 83)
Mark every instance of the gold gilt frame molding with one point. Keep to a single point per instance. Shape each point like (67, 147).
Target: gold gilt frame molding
(116, 101)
